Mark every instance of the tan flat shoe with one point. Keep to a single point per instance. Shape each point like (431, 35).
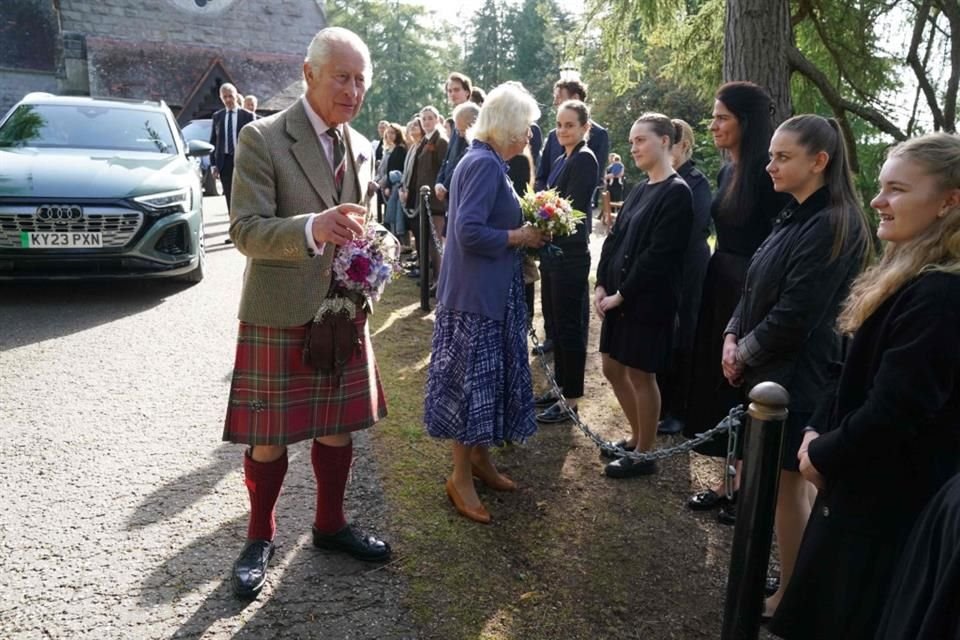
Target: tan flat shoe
(498, 482)
(480, 514)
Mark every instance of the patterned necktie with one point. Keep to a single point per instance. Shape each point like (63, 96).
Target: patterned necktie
(339, 166)
(229, 132)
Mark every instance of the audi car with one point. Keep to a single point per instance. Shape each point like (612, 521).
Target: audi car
(98, 188)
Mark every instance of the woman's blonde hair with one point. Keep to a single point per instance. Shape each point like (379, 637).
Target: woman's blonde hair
(683, 136)
(506, 115)
(936, 249)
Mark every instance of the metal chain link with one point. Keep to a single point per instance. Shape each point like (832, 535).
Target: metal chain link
(732, 422)
(437, 242)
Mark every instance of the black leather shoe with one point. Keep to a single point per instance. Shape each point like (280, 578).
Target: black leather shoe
(728, 514)
(629, 468)
(545, 347)
(354, 543)
(772, 585)
(555, 414)
(250, 568)
(669, 426)
(707, 500)
(609, 455)
(545, 400)
(413, 273)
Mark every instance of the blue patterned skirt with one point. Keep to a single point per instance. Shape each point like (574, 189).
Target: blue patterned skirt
(479, 390)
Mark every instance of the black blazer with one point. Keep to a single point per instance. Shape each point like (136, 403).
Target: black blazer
(244, 118)
(642, 256)
(787, 313)
(890, 432)
(576, 181)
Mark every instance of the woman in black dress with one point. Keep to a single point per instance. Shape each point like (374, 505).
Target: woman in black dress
(888, 437)
(783, 329)
(743, 210)
(564, 276)
(638, 287)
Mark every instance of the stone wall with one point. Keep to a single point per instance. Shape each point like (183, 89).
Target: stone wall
(16, 84)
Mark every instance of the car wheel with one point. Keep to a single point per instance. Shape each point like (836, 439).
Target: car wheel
(197, 274)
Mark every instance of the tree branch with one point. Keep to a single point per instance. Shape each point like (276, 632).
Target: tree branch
(799, 63)
(913, 60)
(951, 9)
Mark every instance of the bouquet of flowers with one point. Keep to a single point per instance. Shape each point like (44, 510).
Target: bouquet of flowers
(547, 211)
(367, 263)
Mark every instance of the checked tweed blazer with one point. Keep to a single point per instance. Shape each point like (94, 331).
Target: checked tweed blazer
(281, 176)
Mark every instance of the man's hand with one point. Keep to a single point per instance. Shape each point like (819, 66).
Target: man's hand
(599, 294)
(732, 368)
(339, 224)
(440, 192)
(372, 187)
(215, 172)
(807, 470)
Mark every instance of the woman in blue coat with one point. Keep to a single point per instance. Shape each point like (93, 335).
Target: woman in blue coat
(479, 389)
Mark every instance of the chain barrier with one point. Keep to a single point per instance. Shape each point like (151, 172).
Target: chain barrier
(437, 242)
(732, 423)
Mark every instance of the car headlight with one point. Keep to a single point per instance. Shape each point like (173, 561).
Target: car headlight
(179, 201)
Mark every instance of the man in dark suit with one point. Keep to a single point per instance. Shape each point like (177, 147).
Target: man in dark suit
(224, 133)
(458, 92)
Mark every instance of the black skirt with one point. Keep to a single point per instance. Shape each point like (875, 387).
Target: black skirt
(640, 346)
(710, 397)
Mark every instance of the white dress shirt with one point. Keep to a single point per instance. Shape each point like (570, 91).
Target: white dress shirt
(326, 143)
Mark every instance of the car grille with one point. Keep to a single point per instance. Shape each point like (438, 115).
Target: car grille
(116, 224)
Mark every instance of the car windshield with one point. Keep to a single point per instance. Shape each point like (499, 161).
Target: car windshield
(87, 127)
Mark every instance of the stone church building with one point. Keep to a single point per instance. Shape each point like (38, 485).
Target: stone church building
(179, 51)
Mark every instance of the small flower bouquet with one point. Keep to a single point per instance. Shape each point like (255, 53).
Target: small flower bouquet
(367, 263)
(547, 211)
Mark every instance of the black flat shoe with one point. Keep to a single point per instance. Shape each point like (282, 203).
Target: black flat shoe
(610, 455)
(545, 400)
(250, 568)
(545, 347)
(728, 514)
(555, 414)
(629, 468)
(353, 543)
(669, 427)
(707, 500)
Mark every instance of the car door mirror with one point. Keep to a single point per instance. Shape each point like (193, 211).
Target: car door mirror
(198, 148)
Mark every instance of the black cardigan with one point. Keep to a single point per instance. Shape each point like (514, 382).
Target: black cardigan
(890, 433)
(785, 320)
(577, 181)
(653, 240)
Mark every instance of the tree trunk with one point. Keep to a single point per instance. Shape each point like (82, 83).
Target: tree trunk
(756, 37)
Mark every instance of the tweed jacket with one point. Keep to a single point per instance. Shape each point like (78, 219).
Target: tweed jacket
(281, 176)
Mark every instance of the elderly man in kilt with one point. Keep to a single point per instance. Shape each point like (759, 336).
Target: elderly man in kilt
(290, 166)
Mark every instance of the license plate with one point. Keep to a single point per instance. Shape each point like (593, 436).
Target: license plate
(60, 240)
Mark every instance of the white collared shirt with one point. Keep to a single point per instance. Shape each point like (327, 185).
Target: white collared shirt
(326, 143)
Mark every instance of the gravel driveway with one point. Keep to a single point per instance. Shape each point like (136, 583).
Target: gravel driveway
(122, 510)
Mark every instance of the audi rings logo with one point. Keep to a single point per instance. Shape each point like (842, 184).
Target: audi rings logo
(59, 212)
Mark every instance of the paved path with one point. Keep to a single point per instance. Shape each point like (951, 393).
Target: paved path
(122, 510)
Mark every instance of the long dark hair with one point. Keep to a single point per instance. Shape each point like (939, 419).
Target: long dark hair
(815, 134)
(753, 108)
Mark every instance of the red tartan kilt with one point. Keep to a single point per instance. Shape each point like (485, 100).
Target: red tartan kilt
(276, 399)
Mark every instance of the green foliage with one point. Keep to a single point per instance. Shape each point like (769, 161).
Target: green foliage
(411, 57)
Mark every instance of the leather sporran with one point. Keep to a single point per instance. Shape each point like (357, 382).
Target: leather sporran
(332, 337)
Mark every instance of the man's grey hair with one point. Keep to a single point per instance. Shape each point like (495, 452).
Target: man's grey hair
(228, 86)
(506, 115)
(467, 111)
(319, 51)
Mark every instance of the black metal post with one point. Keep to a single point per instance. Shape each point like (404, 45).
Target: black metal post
(756, 505)
(423, 248)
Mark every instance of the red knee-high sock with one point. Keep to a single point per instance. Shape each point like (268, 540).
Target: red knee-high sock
(331, 466)
(263, 480)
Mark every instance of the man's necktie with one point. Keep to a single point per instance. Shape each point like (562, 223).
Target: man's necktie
(229, 132)
(339, 166)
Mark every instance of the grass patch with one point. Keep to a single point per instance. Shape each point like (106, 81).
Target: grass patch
(570, 555)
